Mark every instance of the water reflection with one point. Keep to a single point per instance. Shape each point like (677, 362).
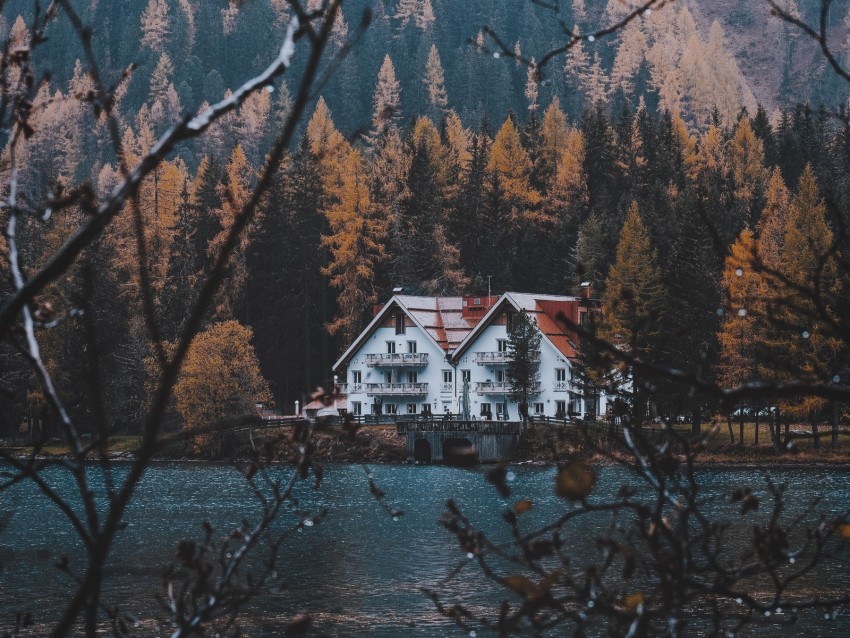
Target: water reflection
(358, 572)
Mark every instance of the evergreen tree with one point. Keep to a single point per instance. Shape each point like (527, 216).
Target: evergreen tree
(523, 361)
(286, 292)
(438, 100)
(632, 305)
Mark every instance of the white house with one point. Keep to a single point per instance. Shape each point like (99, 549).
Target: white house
(432, 355)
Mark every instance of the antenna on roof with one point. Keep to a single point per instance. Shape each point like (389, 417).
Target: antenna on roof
(488, 289)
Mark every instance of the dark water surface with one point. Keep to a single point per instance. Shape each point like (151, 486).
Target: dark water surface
(359, 572)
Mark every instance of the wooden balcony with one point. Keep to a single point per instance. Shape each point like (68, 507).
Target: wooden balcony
(396, 389)
(397, 360)
(500, 387)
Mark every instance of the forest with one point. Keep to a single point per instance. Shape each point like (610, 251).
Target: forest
(643, 164)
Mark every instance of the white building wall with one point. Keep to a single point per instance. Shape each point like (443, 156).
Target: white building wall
(550, 391)
(444, 397)
(430, 374)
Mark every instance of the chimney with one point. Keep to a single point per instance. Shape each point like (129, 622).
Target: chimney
(586, 290)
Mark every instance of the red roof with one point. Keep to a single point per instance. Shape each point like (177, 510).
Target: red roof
(443, 318)
(546, 310)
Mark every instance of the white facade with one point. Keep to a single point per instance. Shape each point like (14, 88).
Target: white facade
(485, 362)
(401, 373)
(403, 363)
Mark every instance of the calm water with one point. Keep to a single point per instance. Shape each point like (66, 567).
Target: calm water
(359, 572)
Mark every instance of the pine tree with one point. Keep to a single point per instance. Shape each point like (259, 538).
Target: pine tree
(595, 83)
(355, 243)
(630, 54)
(523, 360)
(632, 303)
(553, 132)
(746, 162)
(234, 193)
(601, 166)
(531, 89)
(386, 98)
(286, 292)
(434, 81)
(156, 26)
(743, 314)
(161, 78)
(511, 162)
(419, 12)
(576, 69)
(804, 344)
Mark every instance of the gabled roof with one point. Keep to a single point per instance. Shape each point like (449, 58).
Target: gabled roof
(544, 310)
(440, 318)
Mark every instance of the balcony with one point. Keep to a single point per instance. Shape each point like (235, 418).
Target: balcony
(397, 360)
(497, 358)
(396, 389)
(562, 386)
(350, 388)
(500, 387)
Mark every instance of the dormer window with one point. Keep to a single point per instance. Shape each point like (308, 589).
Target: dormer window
(399, 323)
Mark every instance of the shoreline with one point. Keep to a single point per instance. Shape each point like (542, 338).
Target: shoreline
(381, 445)
(595, 460)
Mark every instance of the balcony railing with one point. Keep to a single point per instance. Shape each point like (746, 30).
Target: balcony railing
(393, 359)
(500, 387)
(497, 358)
(396, 389)
(351, 388)
(562, 386)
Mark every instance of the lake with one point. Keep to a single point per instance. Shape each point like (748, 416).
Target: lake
(358, 572)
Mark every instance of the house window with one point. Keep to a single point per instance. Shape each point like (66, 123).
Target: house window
(560, 374)
(500, 408)
(447, 376)
(412, 376)
(502, 345)
(399, 323)
(390, 347)
(411, 408)
(560, 409)
(509, 319)
(500, 376)
(388, 376)
(485, 410)
(356, 376)
(466, 375)
(390, 408)
(411, 347)
(538, 408)
(476, 301)
(356, 408)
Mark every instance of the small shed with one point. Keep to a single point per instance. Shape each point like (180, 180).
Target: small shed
(312, 409)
